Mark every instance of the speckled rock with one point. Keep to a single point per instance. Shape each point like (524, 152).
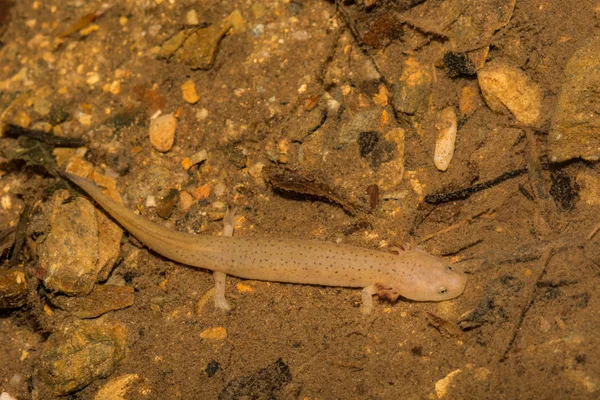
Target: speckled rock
(13, 288)
(198, 47)
(109, 232)
(80, 353)
(507, 88)
(468, 24)
(574, 131)
(263, 384)
(351, 128)
(102, 299)
(391, 173)
(589, 186)
(412, 92)
(69, 254)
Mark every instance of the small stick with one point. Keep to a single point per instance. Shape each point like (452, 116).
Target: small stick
(454, 226)
(546, 257)
(593, 232)
(20, 233)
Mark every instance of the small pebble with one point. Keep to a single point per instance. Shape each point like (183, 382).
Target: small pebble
(219, 189)
(544, 325)
(218, 206)
(199, 157)
(154, 29)
(212, 368)
(42, 106)
(258, 30)
(258, 9)
(6, 396)
(333, 105)
(162, 132)
(242, 288)
(22, 119)
(441, 386)
(381, 98)
(468, 101)
(6, 202)
(85, 119)
(201, 114)
(300, 35)
(191, 18)
(507, 87)
(589, 186)
(151, 201)
(215, 215)
(89, 29)
(444, 147)
(186, 163)
(189, 92)
(202, 192)
(482, 374)
(117, 388)
(165, 206)
(92, 78)
(115, 87)
(255, 172)
(216, 333)
(16, 380)
(13, 289)
(185, 200)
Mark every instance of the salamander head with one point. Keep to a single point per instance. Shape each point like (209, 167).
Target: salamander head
(430, 279)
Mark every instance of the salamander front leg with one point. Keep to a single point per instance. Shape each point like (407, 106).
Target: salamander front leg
(221, 302)
(367, 299)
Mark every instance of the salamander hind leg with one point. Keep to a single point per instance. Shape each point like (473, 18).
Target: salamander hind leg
(221, 302)
(367, 299)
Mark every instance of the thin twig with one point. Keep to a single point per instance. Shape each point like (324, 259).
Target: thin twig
(593, 232)
(545, 260)
(454, 226)
(20, 233)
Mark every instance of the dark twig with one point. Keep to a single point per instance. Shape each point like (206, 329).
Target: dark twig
(438, 198)
(20, 234)
(15, 131)
(541, 192)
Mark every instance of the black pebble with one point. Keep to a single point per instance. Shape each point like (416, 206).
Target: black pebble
(212, 368)
(459, 64)
(367, 141)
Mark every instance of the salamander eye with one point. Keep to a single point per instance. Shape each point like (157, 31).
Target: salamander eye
(449, 268)
(443, 290)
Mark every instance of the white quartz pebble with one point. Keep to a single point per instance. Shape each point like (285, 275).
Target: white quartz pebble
(444, 147)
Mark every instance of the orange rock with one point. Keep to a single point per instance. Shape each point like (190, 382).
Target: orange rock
(381, 98)
(187, 163)
(240, 287)
(202, 192)
(216, 333)
(468, 101)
